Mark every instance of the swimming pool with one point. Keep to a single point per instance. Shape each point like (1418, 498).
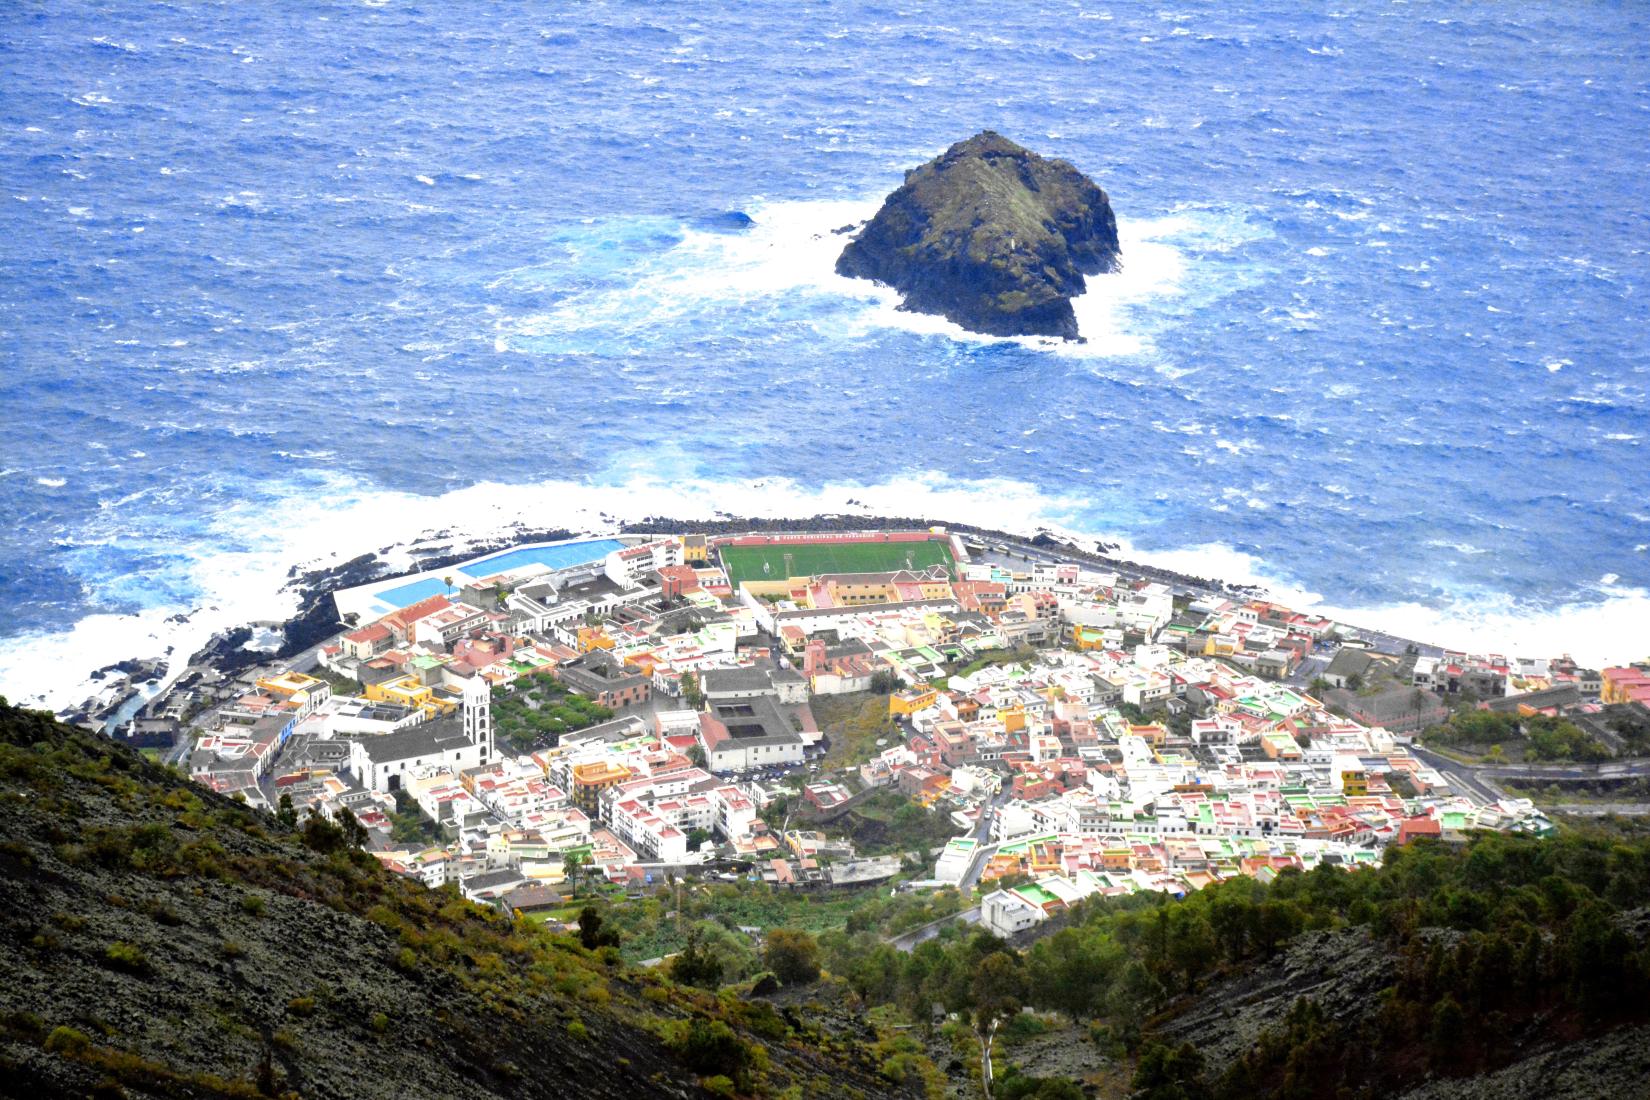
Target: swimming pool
(408, 594)
(555, 557)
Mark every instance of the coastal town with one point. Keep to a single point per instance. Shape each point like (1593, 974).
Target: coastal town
(626, 713)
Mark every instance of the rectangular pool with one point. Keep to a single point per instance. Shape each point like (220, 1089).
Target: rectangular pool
(409, 594)
(555, 557)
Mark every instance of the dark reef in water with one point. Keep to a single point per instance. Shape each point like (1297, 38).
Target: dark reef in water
(991, 236)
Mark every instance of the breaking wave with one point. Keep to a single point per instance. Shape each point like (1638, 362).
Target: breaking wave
(213, 592)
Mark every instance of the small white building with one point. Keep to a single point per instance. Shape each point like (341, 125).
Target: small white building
(1005, 913)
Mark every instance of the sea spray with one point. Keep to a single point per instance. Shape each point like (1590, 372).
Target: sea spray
(236, 588)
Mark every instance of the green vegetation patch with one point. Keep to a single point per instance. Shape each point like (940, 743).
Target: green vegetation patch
(1500, 737)
(540, 708)
(853, 723)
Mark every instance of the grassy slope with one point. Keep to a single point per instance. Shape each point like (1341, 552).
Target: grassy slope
(853, 723)
(159, 940)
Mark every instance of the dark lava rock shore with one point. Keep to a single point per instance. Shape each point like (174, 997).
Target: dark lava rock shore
(991, 236)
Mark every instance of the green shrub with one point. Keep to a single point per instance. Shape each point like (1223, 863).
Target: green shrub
(252, 905)
(710, 1047)
(1022, 1026)
(380, 1022)
(126, 956)
(66, 1040)
(577, 1030)
(301, 1006)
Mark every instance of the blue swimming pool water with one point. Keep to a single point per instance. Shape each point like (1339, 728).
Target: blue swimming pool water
(408, 594)
(555, 557)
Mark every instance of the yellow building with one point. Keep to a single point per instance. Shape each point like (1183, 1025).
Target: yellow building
(304, 692)
(936, 589)
(1153, 732)
(694, 550)
(851, 589)
(1624, 685)
(409, 691)
(591, 779)
(1220, 645)
(1088, 637)
(592, 638)
(911, 700)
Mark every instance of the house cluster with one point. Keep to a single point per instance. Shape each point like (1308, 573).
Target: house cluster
(1089, 733)
(1107, 771)
(623, 800)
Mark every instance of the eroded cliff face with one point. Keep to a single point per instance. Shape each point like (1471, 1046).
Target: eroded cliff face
(1345, 978)
(991, 236)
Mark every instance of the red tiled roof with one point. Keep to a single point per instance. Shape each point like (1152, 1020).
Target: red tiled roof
(373, 633)
(412, 613)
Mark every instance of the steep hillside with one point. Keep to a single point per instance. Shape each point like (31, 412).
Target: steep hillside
(1344, 1011)
(1508, 966)
(157, 940)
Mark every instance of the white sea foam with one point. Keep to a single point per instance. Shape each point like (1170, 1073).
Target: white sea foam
(51, 482)
(345, 519)
(791, 250)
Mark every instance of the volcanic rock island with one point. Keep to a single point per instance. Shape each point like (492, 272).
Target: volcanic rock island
(992, 237)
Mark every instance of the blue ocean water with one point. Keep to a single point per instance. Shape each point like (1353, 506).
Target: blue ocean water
(1382, 325)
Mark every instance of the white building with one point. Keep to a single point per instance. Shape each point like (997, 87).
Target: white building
(1004, 913)
(384, 763)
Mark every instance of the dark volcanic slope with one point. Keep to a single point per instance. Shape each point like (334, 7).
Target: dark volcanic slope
(992, 236)
(158, 940)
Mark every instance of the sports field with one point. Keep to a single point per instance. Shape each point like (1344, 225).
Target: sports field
(745, 563)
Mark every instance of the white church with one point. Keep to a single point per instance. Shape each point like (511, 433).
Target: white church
(382, 763)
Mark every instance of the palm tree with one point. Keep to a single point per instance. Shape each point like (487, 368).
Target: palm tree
(448, 581)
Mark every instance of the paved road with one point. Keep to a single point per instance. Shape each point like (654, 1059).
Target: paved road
(1462, 777)
(1620, 769)
(985, 1056)
(982, 832)
(907, 941)
(1601, 809)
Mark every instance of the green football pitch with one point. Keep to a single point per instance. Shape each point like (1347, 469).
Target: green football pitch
(745, 563)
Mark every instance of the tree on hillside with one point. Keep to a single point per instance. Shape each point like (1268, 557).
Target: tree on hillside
(572, 866)
(593, 933)
(998, 990)
(792, 955)
(696, 965)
